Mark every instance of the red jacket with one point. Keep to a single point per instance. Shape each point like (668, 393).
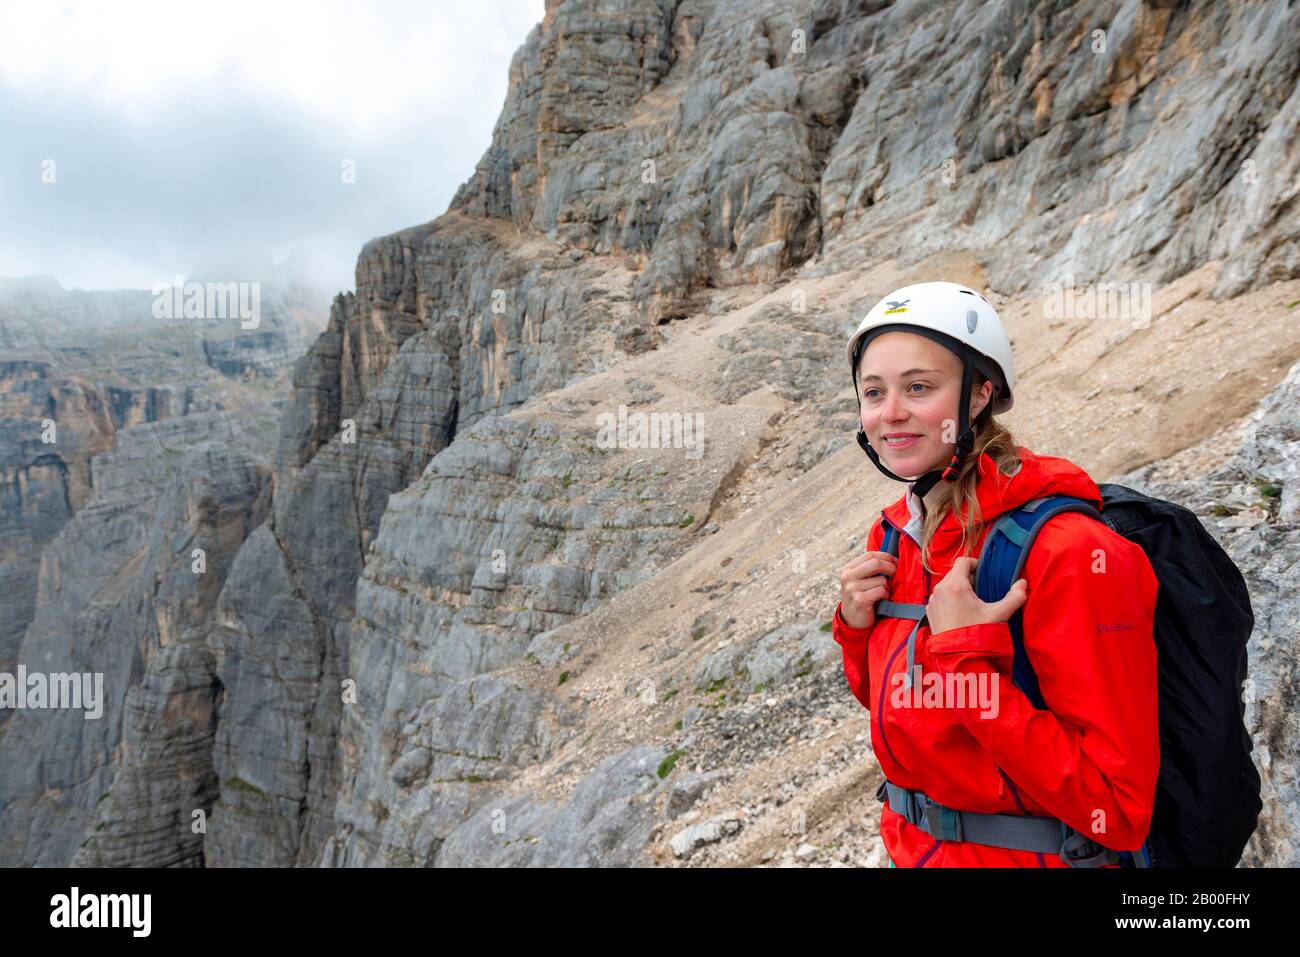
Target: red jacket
(1092, 758)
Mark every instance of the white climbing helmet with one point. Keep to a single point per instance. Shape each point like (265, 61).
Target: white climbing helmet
(955, 311)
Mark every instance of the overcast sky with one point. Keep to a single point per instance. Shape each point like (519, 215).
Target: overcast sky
(188, 133)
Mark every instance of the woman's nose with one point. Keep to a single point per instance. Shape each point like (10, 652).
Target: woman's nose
(890, 411)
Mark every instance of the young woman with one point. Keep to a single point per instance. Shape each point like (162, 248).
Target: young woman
(974, 773)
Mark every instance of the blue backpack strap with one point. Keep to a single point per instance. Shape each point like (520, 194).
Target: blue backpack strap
(1002, 561)
(889, 543)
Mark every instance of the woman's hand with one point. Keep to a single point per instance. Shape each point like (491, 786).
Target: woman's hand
(863, 582)
(954, 604)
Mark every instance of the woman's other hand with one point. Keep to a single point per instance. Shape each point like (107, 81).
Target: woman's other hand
(954, 604)
(863, 582)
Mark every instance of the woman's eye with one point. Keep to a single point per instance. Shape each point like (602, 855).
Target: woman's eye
(871, 393)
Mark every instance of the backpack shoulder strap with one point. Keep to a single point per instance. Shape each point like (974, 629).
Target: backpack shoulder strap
(1002, 561)
(889, 542)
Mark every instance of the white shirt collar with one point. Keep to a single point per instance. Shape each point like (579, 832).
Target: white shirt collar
(913, 527)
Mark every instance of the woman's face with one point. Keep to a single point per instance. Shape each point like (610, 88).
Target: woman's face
(909, 385)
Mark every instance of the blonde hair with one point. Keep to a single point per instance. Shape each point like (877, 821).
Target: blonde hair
(990, 438)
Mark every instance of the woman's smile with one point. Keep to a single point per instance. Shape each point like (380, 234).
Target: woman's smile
(901, 441)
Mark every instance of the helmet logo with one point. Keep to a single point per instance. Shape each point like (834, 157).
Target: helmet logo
(972, 317)
(896, 306)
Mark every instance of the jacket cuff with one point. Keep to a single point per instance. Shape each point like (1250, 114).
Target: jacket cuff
(991, 639)
(843, 631)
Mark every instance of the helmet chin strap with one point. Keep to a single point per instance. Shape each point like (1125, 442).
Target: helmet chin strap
(965, 443)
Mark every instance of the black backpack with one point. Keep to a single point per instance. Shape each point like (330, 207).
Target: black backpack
(1207, 799)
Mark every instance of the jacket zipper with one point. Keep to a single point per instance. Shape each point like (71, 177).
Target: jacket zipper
(1015, 794)
(884, 683)
(1019, 803)
(928, 854)
(929, 587)
(880, 702)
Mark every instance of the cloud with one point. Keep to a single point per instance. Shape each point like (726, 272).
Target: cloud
(184, 134)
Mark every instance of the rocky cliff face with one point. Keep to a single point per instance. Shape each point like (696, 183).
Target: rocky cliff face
(133, 467)
(470, 632)
(120, 595)
(43, 485)
(77, 367)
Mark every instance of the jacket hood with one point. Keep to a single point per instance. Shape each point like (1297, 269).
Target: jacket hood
(997, 492)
